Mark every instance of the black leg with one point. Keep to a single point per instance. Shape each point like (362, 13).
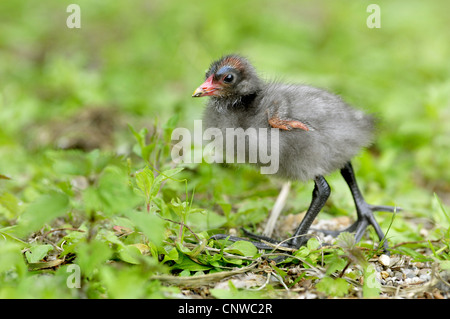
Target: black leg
(320, 195)
(364, 211)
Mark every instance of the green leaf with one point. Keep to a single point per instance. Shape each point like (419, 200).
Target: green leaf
(91, 255)
(243, 248)
(123, 283)
(12, 258)
(151, 225)
(313, 244)
(335, 263)
(38, 252)
(130, 254)
(144, 180)
(205, 220)
(11, 203)
(346, 240)
(335, 287)
(43, 210)
(112, 194)
(169, 126)
(226, 207)
(69, 162)
(171, 255)
(162, 177)
(186, 263)
(140, 138)
(302, 252)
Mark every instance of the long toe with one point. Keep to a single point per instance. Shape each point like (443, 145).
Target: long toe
(263, 242)
(336, 233)
(384, 208)
(366, 218)
(258, 244)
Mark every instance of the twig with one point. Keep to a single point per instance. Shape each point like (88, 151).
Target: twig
(203, 279)
(278, 277)
(267, 281)
(184, 225)
(277, 208)
(343, 270)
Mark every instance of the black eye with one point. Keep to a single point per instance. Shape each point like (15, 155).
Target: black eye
(228, 78)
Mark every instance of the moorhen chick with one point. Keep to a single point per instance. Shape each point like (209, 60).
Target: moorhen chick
(318, 134)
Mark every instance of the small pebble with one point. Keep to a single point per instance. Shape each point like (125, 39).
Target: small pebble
(425, 277)
(412, 280)
(424, 271)
(385, 260)
(398, 275)
(384, 274)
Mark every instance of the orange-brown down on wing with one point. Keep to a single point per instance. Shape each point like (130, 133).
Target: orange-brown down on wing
(286, 125)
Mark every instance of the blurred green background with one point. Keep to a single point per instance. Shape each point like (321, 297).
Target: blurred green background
(141, 60)
(138, 62)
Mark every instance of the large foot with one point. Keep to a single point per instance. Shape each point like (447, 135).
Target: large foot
(365, 219)
(319, 197)
(364, 211)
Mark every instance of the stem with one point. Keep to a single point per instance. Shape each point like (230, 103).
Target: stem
(182, 225)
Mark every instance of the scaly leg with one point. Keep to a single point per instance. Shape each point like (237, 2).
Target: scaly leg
(320, 195)
(364, 211)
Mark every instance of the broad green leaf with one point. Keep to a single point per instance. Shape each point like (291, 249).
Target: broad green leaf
(186, 263)
(346, 240)
(143, 249)
(335, 287)
(130, 254)
(205, 220)
(123, 282)
(43, 210)
(226, 207)
(11, 258)
(302, 252)
(70, 162)
(313, 244)
(91, 255)
(335, 263)
(112, 194)
(171, 255)
(243, 248)
(11, 204)
(151, 225)
(36, 253)
(139, 136)
(162, 177)
(144, 180)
